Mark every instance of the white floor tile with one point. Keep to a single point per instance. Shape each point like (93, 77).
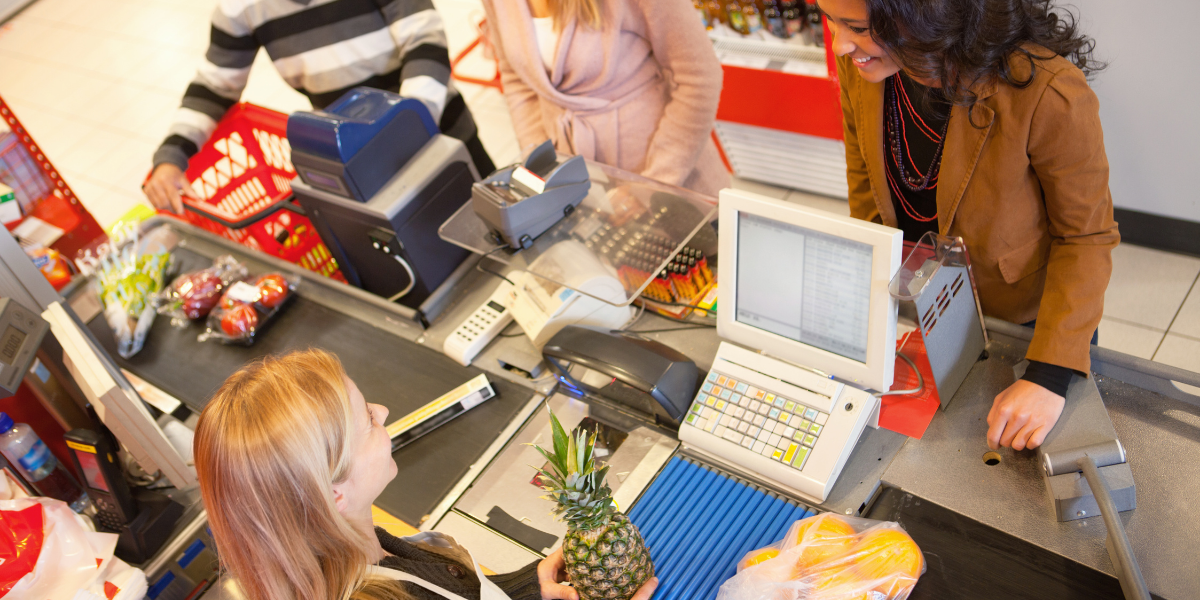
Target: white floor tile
(770, 191)
(1148, 286)
(833, 205)
(1135, 340)
(1182, 352)
(1187, 322)
(146, 115)
(88, 151)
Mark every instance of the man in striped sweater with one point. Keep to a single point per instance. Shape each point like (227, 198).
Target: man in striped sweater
(322, 48)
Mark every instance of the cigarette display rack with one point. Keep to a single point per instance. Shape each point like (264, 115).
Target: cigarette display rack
(780, 116)
(42, 191)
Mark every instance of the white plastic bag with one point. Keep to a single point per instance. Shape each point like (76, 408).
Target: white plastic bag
(830, 557)
(73, 559)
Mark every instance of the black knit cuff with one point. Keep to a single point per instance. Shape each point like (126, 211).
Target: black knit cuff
(170, 153)
(1052, 377)
(521, 584)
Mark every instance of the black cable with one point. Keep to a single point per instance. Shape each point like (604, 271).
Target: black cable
(479, 265)
(509, 335)
(697, 326)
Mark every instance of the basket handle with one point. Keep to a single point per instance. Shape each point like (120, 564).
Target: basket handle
(212, 213)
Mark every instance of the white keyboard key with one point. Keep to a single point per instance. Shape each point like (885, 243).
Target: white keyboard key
(795, 421)
(744, 402)
(710, 413)
(747, 442)
(733, 436)
(779, 428)
(759, 420)
(711, 425)
(788, 431)
(767, 450)
(758, 447)
(726, 419)
(753, 431)
(742, 426)
(700, 423)
(774, 441)
(764, 436)
(783, 442)
(821, 418)
(720, 431)
(738, 412)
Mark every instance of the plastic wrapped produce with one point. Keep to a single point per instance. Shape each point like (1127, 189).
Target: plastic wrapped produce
(829, 557)
(193, 295)
(127, 272)
(247, 307)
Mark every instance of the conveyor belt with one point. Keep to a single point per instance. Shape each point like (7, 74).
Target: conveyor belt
(698, 523)
(388, 369)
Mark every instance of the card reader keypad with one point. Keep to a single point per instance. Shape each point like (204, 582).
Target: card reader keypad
(776, 427)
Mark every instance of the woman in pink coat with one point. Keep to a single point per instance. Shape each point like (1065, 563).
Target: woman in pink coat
(629, 83)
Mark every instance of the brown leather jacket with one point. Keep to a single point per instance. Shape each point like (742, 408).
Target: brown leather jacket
(1027, 190)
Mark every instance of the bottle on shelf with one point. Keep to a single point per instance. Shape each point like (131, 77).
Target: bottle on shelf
(702, 10)
(737, 20)
(814, 27)
(29, 454)
(792, 12)
(772, 18)
(751, 15)
(716, 13)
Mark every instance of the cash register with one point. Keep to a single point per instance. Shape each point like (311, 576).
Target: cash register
(377, 180)
(808, 329)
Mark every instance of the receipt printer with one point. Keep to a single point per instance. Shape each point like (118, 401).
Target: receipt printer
(377, 180)
(521, 202)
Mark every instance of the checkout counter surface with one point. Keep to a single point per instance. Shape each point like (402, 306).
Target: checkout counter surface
(987, 531)
(388, 367)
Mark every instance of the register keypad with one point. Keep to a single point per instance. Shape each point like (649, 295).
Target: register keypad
(776, 427)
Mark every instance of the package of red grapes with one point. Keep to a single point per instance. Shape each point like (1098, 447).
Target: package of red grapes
(193, 295)
(247, 307)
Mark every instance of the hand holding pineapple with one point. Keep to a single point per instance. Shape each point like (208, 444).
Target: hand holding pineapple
(603, 554)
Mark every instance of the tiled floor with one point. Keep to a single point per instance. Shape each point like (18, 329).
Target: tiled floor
(96, 84)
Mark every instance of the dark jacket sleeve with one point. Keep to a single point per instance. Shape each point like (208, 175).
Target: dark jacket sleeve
(521, 584)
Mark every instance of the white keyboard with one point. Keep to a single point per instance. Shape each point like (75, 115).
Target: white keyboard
(775, 419)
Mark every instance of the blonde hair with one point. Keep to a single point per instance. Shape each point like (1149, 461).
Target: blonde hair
(583, 11)
(269, 447)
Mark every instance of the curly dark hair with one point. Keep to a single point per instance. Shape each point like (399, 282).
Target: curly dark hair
(960, 43)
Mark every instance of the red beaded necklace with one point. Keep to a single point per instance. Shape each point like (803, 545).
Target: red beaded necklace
(896, 107)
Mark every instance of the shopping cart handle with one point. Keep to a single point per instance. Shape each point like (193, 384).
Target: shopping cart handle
(227, 219)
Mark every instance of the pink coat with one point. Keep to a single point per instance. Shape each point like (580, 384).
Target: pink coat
(640, 94)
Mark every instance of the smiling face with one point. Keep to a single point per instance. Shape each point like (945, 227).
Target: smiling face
(851, 33)
(372, 466)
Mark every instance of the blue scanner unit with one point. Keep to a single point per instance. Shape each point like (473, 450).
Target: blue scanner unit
(353, 147)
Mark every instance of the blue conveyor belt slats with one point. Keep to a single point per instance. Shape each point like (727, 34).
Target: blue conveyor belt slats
(698, 522)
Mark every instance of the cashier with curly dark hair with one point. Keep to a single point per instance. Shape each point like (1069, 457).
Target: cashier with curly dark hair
(974, 118)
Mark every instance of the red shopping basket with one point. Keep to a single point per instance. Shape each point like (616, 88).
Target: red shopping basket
(242, 176)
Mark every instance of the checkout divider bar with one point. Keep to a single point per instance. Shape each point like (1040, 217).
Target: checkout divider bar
(698, 521)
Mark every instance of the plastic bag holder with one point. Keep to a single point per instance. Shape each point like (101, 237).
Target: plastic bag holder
(517, 212)
(928, 286)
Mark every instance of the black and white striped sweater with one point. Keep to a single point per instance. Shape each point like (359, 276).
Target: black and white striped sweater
(322, 48)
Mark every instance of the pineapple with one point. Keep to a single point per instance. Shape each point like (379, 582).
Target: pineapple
(603, 551)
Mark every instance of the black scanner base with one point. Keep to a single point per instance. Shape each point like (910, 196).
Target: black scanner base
(150, 529)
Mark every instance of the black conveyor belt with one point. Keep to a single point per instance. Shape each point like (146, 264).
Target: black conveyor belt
(390, 371)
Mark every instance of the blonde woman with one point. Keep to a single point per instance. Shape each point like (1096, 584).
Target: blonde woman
(630, 83)
(290, 458)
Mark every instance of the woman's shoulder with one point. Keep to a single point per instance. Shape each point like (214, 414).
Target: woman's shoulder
(1044, 65)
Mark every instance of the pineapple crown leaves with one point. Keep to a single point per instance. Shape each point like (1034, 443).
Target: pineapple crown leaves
(583, 498)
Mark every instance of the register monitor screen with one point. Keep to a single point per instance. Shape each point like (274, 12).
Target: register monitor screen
(808, 286)
(825, 297)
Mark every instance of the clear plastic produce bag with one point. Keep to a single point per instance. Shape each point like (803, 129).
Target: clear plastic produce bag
(830, 557)
(128, 271)
(193, 295)
(247, 307)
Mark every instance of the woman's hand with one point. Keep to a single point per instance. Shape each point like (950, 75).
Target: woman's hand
(551, 572)
(1023, 415)
(166, 188)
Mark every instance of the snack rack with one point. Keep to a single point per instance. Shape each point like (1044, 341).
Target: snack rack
(780, 116)
(243, 177)
(42, 191)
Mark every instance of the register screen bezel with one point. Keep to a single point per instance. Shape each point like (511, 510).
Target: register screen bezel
(886, 243)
